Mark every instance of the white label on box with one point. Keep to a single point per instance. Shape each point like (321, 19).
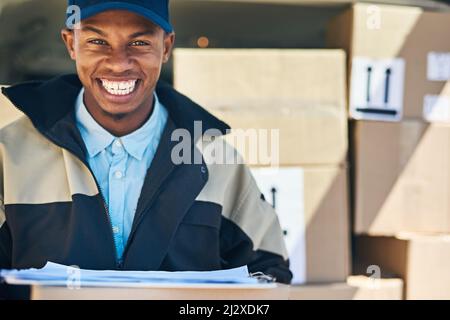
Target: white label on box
(436, 108)
(284, 187)
(438, 66)
(377, 89)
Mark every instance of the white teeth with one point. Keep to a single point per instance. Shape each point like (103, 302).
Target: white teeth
(119, 88)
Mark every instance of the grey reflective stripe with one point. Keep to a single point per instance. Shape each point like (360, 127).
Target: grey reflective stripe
(259, 221)
(233, 187)
(2, 212)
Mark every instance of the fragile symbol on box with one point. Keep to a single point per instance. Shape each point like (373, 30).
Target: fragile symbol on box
(377, 89)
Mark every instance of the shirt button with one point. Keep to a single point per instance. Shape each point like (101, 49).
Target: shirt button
(118, 144)
(118, 174)
(116, 229)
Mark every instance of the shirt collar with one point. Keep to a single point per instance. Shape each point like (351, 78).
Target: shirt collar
(98, 139)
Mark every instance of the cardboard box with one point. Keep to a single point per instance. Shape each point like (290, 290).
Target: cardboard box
(376, 289)
(422, 261)
(299, 92)
(8, 112)
(312, 205)
(307, 136)
(356, 288)
(402, 177)
(399, 61)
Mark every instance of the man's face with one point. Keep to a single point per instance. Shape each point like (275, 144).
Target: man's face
(118, 57)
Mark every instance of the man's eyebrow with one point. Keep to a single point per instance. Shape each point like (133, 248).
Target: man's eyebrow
(93, 29)
(145, 32)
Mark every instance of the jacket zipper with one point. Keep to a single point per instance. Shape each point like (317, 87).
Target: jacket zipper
(108, 217)
(119, 263)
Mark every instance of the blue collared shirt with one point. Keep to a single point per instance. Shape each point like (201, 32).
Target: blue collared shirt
(120, 164)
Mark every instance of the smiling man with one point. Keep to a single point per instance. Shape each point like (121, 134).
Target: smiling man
(87, 175)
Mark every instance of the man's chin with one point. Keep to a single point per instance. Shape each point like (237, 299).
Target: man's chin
(118, 116)
(117, 112)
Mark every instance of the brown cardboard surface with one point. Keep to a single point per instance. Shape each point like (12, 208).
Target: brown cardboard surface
(281, 292)
(239, 78)
(402, 177)
(329, 291)
(8, 112)
(327, 224)
(299, 92)
(422, 261)
(376, 289)
(307, 136)
(404, 32)
(356, 288)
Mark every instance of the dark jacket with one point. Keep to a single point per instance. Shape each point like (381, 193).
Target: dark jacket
(199, 216)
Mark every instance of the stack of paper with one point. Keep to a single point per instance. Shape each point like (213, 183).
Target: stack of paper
(53, 274)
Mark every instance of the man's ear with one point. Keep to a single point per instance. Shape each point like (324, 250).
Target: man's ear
(169, 41)
(68, 37)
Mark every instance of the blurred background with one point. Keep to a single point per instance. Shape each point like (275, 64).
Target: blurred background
(30, 45)
(360, 94)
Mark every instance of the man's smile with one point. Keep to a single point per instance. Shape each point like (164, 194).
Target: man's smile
(118, 91)
(119, 87)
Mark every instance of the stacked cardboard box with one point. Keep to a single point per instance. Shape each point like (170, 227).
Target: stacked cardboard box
(422, 261)
(300, 93)
(402, 179)
(391, 156)
(399, 98)
(8, 112)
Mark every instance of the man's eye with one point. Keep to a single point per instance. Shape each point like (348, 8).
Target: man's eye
(138, 43)
(97, 42)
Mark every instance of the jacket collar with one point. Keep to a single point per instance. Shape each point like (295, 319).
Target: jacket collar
(46, 103)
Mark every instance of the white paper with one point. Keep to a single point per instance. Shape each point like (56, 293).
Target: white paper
(60, 275)
(436, 108)
(289, 205)
(438, 66)
(377, 87)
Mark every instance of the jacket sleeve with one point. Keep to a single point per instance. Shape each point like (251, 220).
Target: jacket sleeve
(251, 234)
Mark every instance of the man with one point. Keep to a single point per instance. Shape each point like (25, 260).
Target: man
(88, 175)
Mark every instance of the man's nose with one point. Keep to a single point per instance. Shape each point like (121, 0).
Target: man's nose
(119, 61)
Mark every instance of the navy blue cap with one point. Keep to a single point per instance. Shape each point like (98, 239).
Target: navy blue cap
(156, 11)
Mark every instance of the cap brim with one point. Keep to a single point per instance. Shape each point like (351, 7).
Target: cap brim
(142, 11)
